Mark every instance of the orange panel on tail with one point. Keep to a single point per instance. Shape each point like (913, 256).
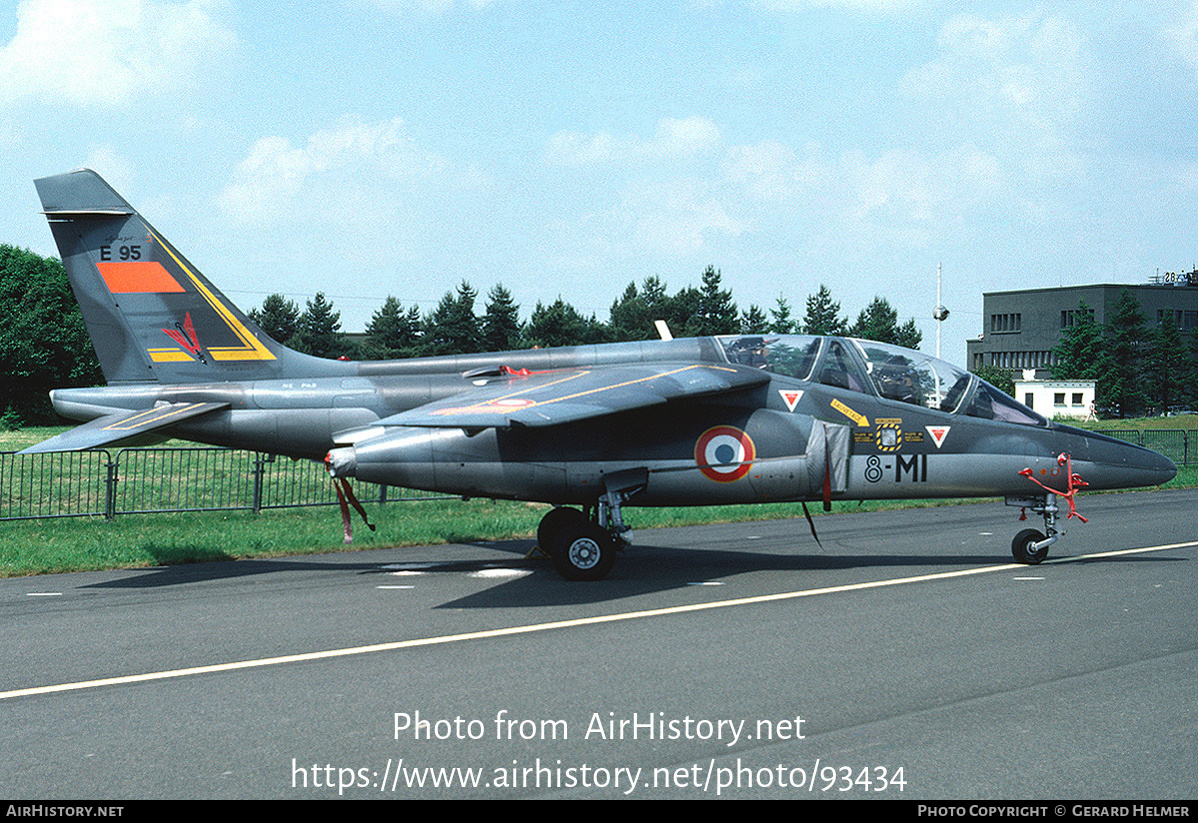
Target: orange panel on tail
(138, 277)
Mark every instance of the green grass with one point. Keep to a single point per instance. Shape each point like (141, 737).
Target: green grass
(1181, 422)
(132, 541)
(11, 441)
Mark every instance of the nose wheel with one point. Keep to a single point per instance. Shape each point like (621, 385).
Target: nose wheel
(1023, 547)
(1031, 546)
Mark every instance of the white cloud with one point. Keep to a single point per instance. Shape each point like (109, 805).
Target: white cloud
(908, 197)
(429, 7)
(885, 6)
(673, 140)
(375, 157)
(659, 195)
(916, 200)
(770, 171)
(1183, 35)
(107, 52)
(676, 219)
(116, 170)
(1019, 82)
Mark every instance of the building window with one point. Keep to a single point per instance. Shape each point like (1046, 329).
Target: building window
(1058, 398)
(1006, 323)
(1077, 398)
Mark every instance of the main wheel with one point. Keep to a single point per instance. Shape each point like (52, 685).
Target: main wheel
(1023, 547)
(552, 524)
(583, 551)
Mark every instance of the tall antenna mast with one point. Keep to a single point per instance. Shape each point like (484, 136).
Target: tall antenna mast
(941, 312)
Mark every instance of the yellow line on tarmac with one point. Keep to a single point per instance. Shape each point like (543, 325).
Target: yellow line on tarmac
(557, 624)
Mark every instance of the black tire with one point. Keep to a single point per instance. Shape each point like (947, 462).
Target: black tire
(552, 524)
(583, 551)
(1021, 547)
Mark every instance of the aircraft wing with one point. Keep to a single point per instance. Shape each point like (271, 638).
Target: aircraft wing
(122, 425)
(550, 398)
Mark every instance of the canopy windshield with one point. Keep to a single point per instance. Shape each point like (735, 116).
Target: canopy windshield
(923, 380)
(789, 354)
(888, 371)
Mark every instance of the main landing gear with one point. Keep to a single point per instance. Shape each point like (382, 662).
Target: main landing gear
(584, 546)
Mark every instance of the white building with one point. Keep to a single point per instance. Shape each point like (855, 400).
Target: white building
(1056, 398)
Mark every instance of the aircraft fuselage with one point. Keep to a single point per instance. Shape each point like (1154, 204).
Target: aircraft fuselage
(895, 449)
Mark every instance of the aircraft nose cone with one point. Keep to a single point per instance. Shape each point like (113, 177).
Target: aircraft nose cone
(1111, 463)
(1164, 468)
(1138, 466)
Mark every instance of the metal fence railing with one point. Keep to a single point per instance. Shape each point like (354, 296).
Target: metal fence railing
(1172, 443)
(57, 484)
(97, 482)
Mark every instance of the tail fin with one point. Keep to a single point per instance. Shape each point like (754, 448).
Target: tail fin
(151, 315)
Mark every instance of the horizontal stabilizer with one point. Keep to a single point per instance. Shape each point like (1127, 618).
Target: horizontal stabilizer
(122, 426)
(552, 398)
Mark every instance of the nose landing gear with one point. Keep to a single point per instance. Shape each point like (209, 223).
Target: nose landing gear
(1030, 546)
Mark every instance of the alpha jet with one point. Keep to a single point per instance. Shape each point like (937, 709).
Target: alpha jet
(589, 429)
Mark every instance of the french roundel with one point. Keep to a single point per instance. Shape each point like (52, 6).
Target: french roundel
(724, 453)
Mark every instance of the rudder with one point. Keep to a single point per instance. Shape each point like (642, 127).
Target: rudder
(151, 315)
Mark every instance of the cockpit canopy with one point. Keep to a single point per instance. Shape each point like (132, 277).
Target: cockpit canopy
(879, 369)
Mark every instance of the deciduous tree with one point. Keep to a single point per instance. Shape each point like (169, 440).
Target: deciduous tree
(43, 342)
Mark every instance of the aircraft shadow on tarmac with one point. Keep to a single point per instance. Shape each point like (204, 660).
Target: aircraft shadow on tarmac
(662, 568)
(225, 569)
(644, 571)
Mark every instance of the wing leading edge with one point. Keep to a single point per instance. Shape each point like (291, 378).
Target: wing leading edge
(121, 426)
(552, 398)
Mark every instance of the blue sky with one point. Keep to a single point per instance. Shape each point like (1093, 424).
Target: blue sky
(367, 148)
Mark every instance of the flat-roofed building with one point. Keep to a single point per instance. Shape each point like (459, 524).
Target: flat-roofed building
(1021, 329)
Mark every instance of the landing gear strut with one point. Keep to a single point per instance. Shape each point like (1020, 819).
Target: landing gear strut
(1030, 546)
(584, 546)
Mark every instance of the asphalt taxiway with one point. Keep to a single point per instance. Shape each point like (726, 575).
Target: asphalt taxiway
(908, 658)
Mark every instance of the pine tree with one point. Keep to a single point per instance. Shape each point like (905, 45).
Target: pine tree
(1190, 392)
(753, 321)
(453, 328)
(319, 331)
(653, 292)
(1168, 365)
(279, 318)
(878, 321)
(782, 322)
(716, 313)
(560, 324)
(629, 316)
(1081, 352)
(908, 335)
(679, 309)
(1124, 387)
(392, 333)
(823, 314)
(501, 321)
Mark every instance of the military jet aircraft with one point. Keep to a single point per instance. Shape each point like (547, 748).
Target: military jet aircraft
(590, 429)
